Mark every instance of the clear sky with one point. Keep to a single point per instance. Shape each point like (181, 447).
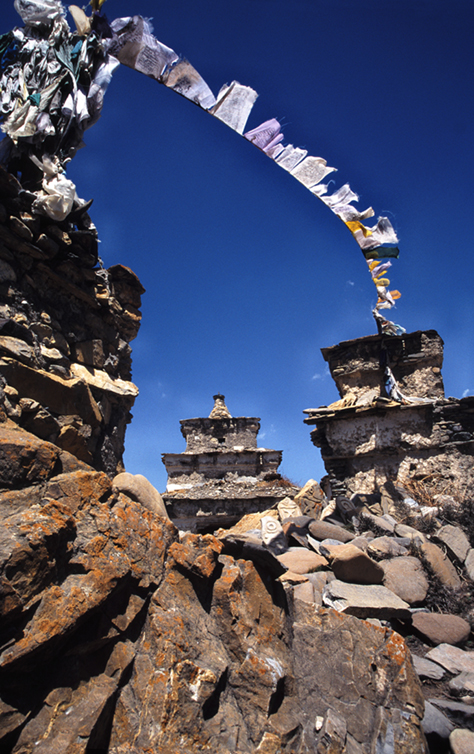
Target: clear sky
(247, 274)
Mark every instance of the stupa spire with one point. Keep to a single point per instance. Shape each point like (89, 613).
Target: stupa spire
(220, 410)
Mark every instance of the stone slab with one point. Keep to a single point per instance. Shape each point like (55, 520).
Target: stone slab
(428, 669)
(364, 601)
(455, 660)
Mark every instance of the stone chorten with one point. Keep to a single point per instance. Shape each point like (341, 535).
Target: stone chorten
(367, 439)
(222, 474)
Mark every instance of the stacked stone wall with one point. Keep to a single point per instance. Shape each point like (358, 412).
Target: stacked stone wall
(65, 327)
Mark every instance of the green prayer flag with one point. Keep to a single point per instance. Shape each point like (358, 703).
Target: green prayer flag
(381, 252)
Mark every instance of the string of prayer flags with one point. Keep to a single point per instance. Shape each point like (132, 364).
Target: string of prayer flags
(44, 102)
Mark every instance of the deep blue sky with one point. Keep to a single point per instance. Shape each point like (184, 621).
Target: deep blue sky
(247, 274)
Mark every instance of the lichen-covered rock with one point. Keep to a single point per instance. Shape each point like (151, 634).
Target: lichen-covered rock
(119, 635)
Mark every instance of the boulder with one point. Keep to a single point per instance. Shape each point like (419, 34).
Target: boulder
(461, 741)
(354, 566)
(386, 547)
(138, 488)
(332, 676)
(24, 459)
(405, 577)
(436, 725)
(440, 564)
(324, 530)
(441, 628)
(460, 709)
(402, 530)
(378, 522)
(455, 540)
(300, 560)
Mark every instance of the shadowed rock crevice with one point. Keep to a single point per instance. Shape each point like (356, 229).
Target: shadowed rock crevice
(210, 708)
(276, 699)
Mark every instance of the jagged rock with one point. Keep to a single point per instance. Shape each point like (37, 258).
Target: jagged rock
(248, 547)
(138, 488)
(462, 683)
(24, 458)
(64, 397)
(461, 741)
(427, 669)
(249, 522)
(304, 591)
(73, 441)
(18, 349)
(324, 530)
(440, 628)
(455, 660)
(351, 564)
(100, 380)
(440, 564)
(56, 734)
(332, 736)
(319, 581)
(354, 689)
(288, 577)
(364, 601)
(405, 577)
(297, 525)
(455, 540)
(299, 560)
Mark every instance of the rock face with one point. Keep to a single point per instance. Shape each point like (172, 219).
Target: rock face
(65, 327)
(366, 438)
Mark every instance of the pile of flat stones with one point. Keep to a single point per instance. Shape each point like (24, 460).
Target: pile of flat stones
(358, 557)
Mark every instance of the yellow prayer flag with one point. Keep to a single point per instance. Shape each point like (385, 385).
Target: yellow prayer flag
(354, 225)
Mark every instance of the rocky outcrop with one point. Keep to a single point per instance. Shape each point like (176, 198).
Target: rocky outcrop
(65, 327)
(121, 634)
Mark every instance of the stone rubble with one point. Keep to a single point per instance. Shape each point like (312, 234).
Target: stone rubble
(395, 580)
